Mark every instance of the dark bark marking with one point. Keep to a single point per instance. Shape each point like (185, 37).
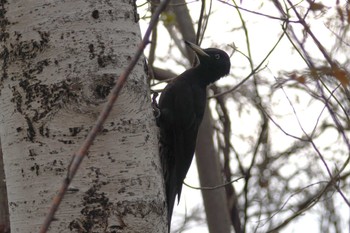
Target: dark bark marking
(95, 14)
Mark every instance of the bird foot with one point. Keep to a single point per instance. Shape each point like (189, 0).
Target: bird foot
(156, 110)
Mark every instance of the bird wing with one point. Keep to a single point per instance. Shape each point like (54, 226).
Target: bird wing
(181, 112)
(185, 133)
(189, 110)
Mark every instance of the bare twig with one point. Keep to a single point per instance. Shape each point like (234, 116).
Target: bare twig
(80, 154)
(324, 107)
(312, 67)
(311, 202)
(153, 46)
(214, 187)
(258, 13)
(294, 194)
(307, 29)
(332, 177)
(200, 21)
(253, 72)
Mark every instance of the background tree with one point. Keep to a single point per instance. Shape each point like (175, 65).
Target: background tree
(281, 119)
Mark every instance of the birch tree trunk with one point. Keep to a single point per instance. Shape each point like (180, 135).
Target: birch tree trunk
(4, 212)
(59, 61)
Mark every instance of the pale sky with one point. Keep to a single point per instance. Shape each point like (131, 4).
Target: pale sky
(263, 33)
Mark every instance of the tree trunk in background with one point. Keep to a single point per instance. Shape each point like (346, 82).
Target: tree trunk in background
(215, 201)
(209, 168)
(185, 25)
(59, 61)
(4, 211)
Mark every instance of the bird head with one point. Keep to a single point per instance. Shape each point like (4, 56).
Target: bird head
(215, 62)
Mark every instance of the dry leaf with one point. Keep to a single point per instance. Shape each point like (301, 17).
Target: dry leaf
(342, 76)
(340, 13)
(314, 6)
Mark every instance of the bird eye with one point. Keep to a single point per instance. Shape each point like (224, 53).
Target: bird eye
(217, 56)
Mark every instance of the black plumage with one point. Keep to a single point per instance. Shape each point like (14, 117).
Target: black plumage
(182, 106)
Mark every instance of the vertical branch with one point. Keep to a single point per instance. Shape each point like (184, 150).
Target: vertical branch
(183, 19)
(209, 175)
(153, 45)
(264, 126)
(230, 190)
(200, 21)
(4, 210)
(308, 30)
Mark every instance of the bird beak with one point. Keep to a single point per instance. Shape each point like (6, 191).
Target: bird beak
(197, 49)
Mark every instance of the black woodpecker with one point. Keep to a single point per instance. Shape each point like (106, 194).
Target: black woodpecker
(182, 106)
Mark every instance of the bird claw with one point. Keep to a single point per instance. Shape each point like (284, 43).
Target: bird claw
(156, 110)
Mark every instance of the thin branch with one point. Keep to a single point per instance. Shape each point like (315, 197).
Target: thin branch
(200, 21)
(154, 37)
(333, 64)
(332, 177)
(80, 154)
(253, 72)
(258, 13)
(285, 132)
(311, 202)
(214, 187)
(305, 133)
(308, 30)
(345, 138)
(324, 107)
(290, 197)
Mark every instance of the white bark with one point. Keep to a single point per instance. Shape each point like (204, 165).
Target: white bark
(59, 61)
